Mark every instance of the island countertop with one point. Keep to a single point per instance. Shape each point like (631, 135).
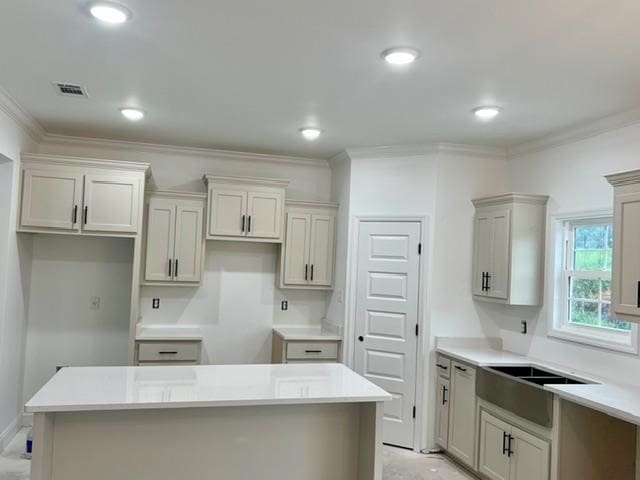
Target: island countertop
(75, 389)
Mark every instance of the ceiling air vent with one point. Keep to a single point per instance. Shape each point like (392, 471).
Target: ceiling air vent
(70, 90)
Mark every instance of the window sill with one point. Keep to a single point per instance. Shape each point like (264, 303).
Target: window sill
(617, 341)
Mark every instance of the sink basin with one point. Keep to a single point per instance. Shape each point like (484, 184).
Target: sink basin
(535, 375)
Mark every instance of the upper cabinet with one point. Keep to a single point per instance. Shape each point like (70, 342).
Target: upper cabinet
(508, 256)
(248, 209)
(625, 287)
(174, 238)
(71, 195)
(307, 257)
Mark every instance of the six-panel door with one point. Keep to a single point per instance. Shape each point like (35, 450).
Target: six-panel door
(227, 212)
(264, 214)
(111, 203)
(188, 243)
(296, 249)
(626, 260)
(51, 198)
(161, 226)
(321, 249)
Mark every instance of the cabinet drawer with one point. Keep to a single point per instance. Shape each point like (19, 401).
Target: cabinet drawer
(169, 351)
(311, 350)
(443, 366)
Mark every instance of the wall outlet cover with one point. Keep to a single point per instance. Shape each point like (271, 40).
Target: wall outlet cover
(284, 305)
(155, 303)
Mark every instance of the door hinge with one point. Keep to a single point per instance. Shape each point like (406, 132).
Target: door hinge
(417, 329)
(419, 249)
(414, 411)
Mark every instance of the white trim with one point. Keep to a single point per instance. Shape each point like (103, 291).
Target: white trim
(8, 433)
(130, 146)
(577, 133)
(391, 151)
(556, 327)
(72, 161)
(20, 116)
(422, 386)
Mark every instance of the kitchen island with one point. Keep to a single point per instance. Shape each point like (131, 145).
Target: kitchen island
(317, 422)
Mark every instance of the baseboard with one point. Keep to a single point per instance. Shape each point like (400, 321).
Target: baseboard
(7, 435)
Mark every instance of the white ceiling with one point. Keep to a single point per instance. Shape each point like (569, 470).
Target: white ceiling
(246, 74)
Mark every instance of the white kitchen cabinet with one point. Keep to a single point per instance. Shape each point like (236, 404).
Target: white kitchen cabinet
(246, 209)
(508, 257)
(174, 238)
(81, 196)
(307, 257)
(442, 412)
(462, 413)
(508, 453)
(625, 286)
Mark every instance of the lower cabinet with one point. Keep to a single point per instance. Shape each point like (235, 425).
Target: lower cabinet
(442, 412)
(311, 351)
(462, 413)
(168, 352)
(509, 453)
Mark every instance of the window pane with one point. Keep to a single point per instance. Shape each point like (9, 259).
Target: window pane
(591, 237)
(606, 290)
(584, 313)
(609, 322)
(585, 289)
(592, 260)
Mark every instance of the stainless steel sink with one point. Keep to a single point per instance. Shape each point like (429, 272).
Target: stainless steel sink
(519, 389)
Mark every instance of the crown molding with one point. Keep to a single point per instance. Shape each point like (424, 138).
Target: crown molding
(310, 204)
(510, 198)
(171, 194)
(337, 159)
(270, 182)
(583, 131)
(129, 146)
(392, 151)
(20, 116)
(72, 161)
(624, 178)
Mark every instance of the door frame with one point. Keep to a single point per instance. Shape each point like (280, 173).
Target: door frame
(422, 347)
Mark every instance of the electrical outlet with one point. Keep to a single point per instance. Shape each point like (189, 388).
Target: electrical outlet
(155, 303)
(284, 305)
(95, 303)
(523, 327)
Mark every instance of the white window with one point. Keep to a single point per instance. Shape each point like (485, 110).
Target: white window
(583, 312)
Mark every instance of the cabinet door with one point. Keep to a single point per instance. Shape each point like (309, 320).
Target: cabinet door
(442, 412)
(530, 458)
(296, 249)
(500, 254)
(111, 203)
(321, 250)
(264, 210)
(626, 255)
(482, 252)
(161, 226)
(51, 199)
(227, 212)
(494, 443)
(188, 251)
(462, 413)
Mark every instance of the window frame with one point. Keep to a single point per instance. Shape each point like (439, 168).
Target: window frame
(560, 326)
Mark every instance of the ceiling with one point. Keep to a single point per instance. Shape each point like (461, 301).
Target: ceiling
(247, 74)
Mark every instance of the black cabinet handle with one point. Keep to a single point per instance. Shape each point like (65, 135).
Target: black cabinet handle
(488, 281)
(86, 214)
(504, 443)
(243, 218)
(439, 365)
(638, 294)
(483, 281)
(175, 274)
(458, 367)
(306, 271)
(509, 451)
(75, 214)
(249, 224)
(312, 272)
(313, 351)
(361, 338)
(173, 352)
(169, 268)
(444, 395)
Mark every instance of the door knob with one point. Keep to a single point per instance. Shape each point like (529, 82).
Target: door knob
(361, 338)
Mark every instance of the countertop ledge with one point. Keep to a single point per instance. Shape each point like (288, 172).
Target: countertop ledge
(75, 389)
(603, 395)
(293, 333)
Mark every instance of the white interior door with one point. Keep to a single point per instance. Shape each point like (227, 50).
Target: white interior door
(111, 203)
(321, 251)
(387, 290)
(51, 198)
(188, 251)
(296, 249)
(227, 212)
(264, 210)
(160, 239)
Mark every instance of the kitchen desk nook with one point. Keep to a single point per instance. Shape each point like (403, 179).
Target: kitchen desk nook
(271, 422)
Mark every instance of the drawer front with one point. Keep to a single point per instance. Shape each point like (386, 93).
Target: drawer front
(312, 350)
(443, 366)
(169, 351)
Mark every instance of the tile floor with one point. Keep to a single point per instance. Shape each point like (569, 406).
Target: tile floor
(399, 464)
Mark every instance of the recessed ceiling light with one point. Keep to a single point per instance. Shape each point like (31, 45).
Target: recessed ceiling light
(133, 114)
(487, 112)
(110, 12)
(400, 55)
(310, 133)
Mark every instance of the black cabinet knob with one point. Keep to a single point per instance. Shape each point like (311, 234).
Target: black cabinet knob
(361, 338)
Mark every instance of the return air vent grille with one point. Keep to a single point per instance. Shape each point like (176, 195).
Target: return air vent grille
(70, 90)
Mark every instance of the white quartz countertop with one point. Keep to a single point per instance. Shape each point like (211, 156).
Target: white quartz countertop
(168, 332)
(127, 388)
(306, 333)
(606, 396)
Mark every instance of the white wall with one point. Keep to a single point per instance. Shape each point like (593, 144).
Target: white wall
(14, 277)
(238, 302)
(572, 175)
